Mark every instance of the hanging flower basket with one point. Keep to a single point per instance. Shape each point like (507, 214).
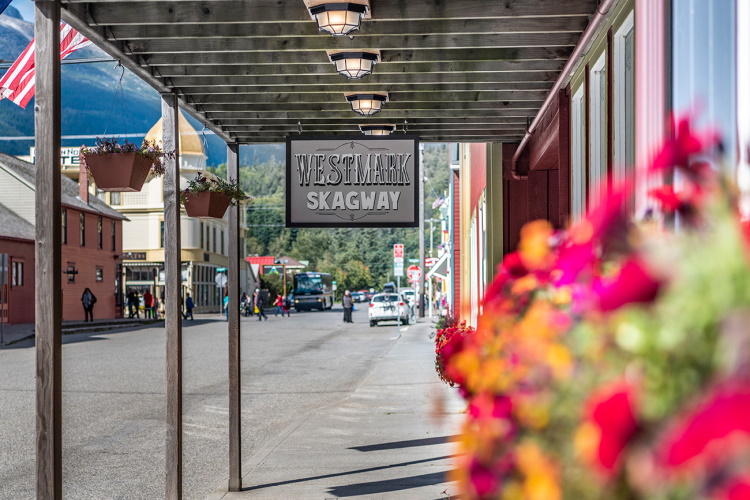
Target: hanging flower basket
(126, 167)
(207, 205)
(208, 198)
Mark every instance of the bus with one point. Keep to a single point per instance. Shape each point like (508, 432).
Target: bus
(313, 291)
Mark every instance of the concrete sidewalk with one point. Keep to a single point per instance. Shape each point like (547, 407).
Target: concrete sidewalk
(383, 441)
(18, 332)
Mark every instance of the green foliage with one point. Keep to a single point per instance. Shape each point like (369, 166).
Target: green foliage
(274, 283)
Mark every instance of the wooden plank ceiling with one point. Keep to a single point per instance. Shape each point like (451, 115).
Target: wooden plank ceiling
(454, 70)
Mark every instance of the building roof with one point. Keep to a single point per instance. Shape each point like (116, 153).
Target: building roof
(26, 173)
(190, 143)
(13, 225)
(261, 261)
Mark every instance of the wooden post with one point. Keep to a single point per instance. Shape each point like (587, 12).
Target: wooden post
(420, 294)
(48, 298)
(233, 288)
(173, 296)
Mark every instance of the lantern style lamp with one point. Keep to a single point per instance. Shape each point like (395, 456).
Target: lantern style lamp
(366, 104)
(338, 19)
(377, 129)
(354, 65)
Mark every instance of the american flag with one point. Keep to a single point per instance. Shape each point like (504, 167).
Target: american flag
(17, 84)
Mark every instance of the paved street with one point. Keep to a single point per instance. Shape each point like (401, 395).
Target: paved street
(114, 404)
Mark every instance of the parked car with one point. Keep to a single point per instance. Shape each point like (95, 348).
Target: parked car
(358, 297)
(388, 307)
(368, 294)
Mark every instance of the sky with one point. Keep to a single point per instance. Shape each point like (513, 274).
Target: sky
(25, 7)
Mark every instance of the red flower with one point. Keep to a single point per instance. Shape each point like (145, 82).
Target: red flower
(484, 481)
(611, 410)
(633, 284)
(487, 406)
(725, 414)
(681, 145)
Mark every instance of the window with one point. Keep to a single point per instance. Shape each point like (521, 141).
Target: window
(624, 103)
(161, 234)
(115, 198)
(100, 239)
(597, 131)
(214, 238)
(114, 236)
(202, 237)
(99, 274)
(101, 195)
(82, 230)
(72, 272)
(222, 242)
(65, 226)
(16, 274)
(578, 157)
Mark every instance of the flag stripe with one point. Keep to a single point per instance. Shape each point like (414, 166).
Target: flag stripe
(18, 83)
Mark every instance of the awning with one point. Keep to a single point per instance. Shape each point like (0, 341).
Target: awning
(440, 269)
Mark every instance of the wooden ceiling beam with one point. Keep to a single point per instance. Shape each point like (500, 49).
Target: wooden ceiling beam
(374, 28)
(113, 12)
(412, 81)
(498, 122)
(269, 112)
(360, 87)
(315, 44)
(387, 56)
(496, 98)
(450, 69)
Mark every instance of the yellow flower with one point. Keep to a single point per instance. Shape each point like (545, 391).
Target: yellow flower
(586, 441)
(534, 246)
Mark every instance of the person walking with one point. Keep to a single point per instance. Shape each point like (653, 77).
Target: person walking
(156, 307)
(88, 300)
(286, 304)
(260, 303)
(132, 299)
(226, 307)
(279, 306)
(348, 304)
(189, 305)
(148, 304)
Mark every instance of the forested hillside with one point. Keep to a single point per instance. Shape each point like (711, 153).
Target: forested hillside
(358, 258)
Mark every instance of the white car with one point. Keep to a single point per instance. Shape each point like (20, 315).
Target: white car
(388, 307)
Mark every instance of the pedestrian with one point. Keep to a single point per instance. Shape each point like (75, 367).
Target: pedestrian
(260, 304)
(226, 307)
(148, 304)
(156, 307)
(286, 305)
(279, 306)
(88, 300)
(243, 304)
(348, 304)
(132, 299)
(189, 305)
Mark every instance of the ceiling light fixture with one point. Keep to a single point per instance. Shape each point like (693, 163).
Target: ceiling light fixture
(338, 19)
(366, 104)
(354, 65)
(377, 129)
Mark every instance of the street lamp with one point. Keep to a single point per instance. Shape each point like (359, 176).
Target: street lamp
(338, 19)
(354, 65)
(377, 129)
(366, 104)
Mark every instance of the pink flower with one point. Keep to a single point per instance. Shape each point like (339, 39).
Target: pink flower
(723, 415)
(611, 410)
(483, 480)
(633, 284)
(681, 145)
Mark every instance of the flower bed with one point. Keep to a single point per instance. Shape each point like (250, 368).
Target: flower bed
(612, 360)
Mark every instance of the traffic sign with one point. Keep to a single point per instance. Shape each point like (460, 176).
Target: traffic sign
(430, 261)
(413, 261)
(398, 268)
(221, 280)
(413, 273)
(398, 252)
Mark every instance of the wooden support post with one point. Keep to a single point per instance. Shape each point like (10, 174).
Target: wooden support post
(173, 296)
(48, 298)
(233, 288)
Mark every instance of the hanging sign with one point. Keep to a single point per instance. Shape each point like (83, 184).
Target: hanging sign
(352, 181)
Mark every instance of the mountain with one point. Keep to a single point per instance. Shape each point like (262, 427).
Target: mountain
(91, 104)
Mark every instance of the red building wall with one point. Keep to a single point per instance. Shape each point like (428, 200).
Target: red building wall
(20, 299)
(478, 174)
(85, 260)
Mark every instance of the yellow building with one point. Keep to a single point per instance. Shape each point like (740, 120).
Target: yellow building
(205, 245)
